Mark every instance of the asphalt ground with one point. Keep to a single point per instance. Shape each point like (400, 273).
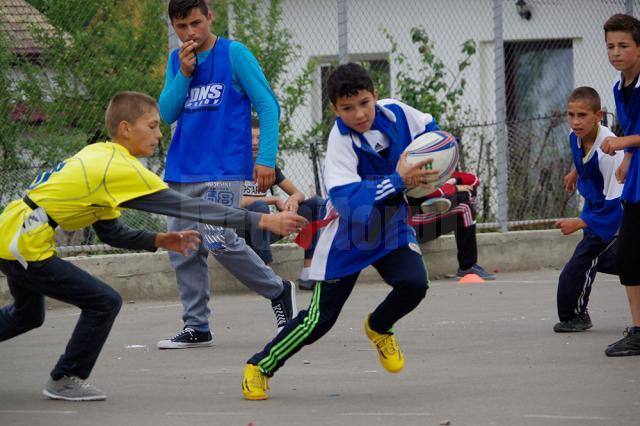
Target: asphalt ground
(476, 354)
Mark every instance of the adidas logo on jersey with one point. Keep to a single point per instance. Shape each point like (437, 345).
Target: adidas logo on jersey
(205, 96)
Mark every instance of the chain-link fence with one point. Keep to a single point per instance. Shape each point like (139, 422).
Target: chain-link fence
(496, 73)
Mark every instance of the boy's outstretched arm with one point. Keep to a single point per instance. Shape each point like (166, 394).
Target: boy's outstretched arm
(117, 234)
(172, 203)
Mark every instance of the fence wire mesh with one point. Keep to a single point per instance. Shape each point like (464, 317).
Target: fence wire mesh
(62, 60)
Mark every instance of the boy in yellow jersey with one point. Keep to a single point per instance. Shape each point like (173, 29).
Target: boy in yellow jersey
(92, 188)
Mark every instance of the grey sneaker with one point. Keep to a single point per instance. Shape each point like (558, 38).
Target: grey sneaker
(479, 271)
(72, 388)
(187, 338)
(580, 322)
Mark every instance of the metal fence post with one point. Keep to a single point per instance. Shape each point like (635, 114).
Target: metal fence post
(174, 43)
(343, 51)
(501, 113)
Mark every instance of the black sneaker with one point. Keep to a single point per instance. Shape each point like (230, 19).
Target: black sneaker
(629, 345)
(581, 322)
(306, 284)
(284, 306)
(187, 338)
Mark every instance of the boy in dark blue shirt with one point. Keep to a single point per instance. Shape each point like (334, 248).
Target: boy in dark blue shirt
(600, 216)
(622, 35)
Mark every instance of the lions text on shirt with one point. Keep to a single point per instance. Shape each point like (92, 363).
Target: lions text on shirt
(212, 141)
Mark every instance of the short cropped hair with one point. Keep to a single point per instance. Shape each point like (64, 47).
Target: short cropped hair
(129, 107)
(255, 122)
(179, 9)
(586, 94)
(623, 23)
(347, 80)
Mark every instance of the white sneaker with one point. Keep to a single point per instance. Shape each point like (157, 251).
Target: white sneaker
(435, 205)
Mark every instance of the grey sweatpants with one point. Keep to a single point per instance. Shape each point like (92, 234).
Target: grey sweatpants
(192, 273)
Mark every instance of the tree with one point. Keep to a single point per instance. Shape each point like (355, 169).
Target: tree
(258, 25)
(432, 86)
(99, 47)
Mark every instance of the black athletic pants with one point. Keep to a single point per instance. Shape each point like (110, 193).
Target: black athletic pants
(403, 269)
(591, 255)
(466, 241)
(64, 281)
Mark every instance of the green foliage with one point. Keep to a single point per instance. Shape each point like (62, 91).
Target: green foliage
(98, 48)
(68, 15)
(258, 25)
(8, 153)
(220, 24)
(119, 49)
(431, 86)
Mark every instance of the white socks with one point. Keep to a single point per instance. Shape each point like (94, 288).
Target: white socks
(304, 274)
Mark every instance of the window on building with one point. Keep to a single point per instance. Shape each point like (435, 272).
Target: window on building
(539, 77)
(380, 73)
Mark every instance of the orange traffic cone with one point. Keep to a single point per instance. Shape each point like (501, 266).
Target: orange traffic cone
(471, 279)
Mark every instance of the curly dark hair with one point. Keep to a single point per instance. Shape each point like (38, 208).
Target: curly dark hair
(347, 80)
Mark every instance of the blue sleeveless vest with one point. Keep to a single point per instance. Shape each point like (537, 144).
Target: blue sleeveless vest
(212, 140)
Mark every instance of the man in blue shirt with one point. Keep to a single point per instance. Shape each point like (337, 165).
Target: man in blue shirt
(210, 86)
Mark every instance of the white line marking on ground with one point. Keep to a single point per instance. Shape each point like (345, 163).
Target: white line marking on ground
(206, 413)
(545, 416)
(389, 414)
(165, 305)
(36, 412)
(144, 308)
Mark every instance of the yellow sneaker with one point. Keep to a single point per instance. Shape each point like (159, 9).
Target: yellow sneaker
(391, 356)
(254, 383)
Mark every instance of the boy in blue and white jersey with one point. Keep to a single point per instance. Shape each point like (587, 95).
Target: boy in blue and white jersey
(600, 216)
(365, 175)
(622, 36)
(210, 86)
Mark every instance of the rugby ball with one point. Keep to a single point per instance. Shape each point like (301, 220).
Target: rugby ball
(442, 147)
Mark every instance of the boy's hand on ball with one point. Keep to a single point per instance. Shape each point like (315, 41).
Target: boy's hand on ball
(417, 174)
(182, 241)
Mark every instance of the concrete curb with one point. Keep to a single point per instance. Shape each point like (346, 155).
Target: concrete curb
(148, 276)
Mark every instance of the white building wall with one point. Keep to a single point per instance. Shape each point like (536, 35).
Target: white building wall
(313, 25)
